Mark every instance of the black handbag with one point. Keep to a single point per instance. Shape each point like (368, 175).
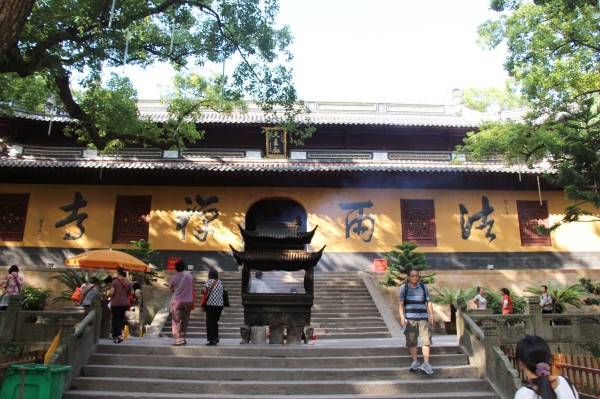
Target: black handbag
(226, 298)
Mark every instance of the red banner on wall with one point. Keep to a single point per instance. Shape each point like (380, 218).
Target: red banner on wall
(380, 265)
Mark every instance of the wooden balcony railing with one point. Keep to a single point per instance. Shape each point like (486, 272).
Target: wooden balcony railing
(583, 371)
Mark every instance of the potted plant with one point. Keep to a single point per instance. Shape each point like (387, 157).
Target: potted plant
(445, 295)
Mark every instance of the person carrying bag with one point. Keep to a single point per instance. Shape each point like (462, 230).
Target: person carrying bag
(12, 284)
(213, 306)
(182, 286)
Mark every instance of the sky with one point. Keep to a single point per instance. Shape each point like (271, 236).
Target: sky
(402, 51)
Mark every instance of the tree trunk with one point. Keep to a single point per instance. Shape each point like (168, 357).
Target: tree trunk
(13, 14)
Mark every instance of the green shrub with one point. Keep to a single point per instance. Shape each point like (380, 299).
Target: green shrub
(144, 252)
(33, 298)
(593, 287)
(591, 301)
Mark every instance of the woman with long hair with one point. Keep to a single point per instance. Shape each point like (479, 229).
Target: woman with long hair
(534, 357)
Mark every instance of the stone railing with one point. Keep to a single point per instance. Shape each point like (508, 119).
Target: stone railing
(77, 342)
(29, 326)
(78, 338)
(482, 334)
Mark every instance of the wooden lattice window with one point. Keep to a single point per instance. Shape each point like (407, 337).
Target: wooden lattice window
(132, 219)
(418, 222)
(532, 214)
(13, 214)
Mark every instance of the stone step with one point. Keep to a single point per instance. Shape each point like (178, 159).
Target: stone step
(343, 308)
(180, 358)
(239, 320)
(347, 360)
(274, 374)
(141, 346)
(152, 386)
(154, 347)
(415, 395)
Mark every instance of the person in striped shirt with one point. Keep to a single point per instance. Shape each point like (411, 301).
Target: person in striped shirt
(416, 316)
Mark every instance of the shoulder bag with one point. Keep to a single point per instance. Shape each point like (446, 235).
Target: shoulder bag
(205, 295)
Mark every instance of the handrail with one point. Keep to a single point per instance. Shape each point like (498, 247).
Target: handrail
(77, 346)
(472, 325)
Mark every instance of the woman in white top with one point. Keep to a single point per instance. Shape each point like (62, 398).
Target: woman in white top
(534, 357)
(480, 300)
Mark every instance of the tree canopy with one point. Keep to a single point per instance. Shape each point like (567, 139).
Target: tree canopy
(483, 100)
(67, 39)
(553, 53)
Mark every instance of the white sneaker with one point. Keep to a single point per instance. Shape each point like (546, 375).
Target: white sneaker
(414, 366)
(426, 368)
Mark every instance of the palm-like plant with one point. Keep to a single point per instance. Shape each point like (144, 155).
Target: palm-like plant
(74, 278)
(445, 295)
(563, 295)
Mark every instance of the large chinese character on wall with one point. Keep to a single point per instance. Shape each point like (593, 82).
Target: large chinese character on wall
(276, 142)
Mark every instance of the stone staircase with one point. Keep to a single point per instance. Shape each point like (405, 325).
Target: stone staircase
(352, 357)
(151, 369)
(343, 309)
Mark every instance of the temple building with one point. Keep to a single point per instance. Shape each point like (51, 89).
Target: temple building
(372, 176)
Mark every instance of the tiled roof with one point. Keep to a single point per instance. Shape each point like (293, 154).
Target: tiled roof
(334, 119)
(377, 114)
(272, 166)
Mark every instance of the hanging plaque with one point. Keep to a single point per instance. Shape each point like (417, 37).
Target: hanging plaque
(276, 142)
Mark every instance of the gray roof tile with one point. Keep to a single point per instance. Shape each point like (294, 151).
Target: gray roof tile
(280, 166)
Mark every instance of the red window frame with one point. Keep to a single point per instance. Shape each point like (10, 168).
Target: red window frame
(132, 218)
(13, 216)
(423, 212)
(532, 214)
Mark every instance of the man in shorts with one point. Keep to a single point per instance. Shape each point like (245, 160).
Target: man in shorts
(416, 316)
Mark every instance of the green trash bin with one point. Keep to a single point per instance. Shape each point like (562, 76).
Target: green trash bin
(34, 381)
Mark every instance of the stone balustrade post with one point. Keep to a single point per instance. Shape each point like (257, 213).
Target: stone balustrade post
(490, 331)
(535, 310)
(67, 328)
(8, 323)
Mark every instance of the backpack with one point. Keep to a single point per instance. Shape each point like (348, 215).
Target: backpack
(422, 287)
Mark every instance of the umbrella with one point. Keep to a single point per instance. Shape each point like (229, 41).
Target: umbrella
(107, 259)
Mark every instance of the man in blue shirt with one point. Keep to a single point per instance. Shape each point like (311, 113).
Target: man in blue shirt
(416, 317)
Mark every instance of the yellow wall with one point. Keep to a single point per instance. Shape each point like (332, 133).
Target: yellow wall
(322, 209)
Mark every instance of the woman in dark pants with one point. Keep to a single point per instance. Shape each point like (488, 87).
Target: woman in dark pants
(119, 291)
(214, 306)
